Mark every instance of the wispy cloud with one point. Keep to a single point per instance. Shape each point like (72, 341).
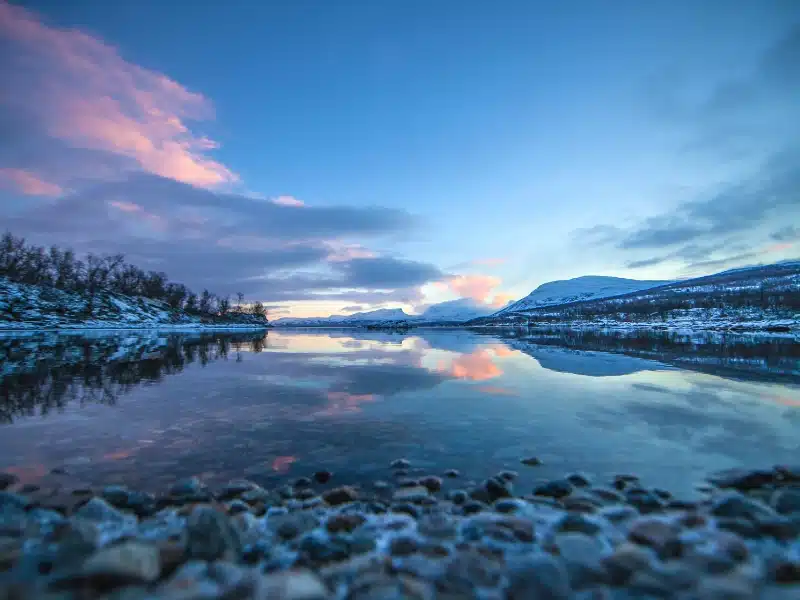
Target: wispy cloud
(287, 201)
(79, 90)
(478, 287)
(28, 183)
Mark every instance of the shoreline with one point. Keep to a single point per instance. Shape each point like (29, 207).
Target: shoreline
(410, 535)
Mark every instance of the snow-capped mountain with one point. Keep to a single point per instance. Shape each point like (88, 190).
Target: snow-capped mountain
(588, 287)
(454, 311)
(460, 310)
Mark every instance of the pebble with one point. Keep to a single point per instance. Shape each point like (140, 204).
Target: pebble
(210, 535)
(400, 463)
(570, 541)
(554, 489)
(531, 461)
(322, 476)
(340, 495)
(452, 473)
(7, 480)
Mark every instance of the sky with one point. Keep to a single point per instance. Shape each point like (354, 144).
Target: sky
(328, 157)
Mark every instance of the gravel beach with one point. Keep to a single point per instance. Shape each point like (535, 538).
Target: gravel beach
(412, 535)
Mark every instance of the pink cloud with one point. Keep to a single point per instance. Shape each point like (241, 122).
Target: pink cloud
(287, 201)
(477, 287)
(85, 94)
(500, 299)
(28, 183)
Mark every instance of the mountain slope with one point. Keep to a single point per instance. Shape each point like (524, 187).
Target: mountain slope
(588, 287)
(765, 297)
(460, 310)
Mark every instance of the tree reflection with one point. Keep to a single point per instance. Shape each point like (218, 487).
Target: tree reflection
(46, 372)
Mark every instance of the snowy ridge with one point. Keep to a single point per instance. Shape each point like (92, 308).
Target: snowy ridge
(588, 287)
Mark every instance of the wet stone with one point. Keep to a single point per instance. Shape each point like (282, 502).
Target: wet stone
(579, 480)
(531, 461)
(539, 576)
(322, 476)
(786, 501)
(7, 480)
(434, 484)
(736, 505)
(451, 473)
(509, 505)
(344, 522)
(340, 495)
(210, 536)
(576, 523)
(400, 463)
(126, 563)
(557, 488)
(410, 494)
(644, 500)
(743, 479)
(403, 546)
(302, 482)
(97, 509)
(406, 508)
(458, 496)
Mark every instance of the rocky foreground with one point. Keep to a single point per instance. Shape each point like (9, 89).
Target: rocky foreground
(569, 538)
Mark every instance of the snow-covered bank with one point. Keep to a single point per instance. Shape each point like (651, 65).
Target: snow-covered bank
(25, 307)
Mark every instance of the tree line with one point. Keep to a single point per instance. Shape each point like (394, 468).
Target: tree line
(62, 269)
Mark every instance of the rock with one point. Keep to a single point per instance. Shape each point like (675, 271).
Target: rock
(344, 522)
(582, 556)
(236, 507)
(507, 475)
(575, 523)
(434, 484)
(652, 532)
(495, 489)
(319, 549)
(557, 488)
(410, 494)
(606, 495)
(210, 536)
(579, 480)
(407, 482)
(322, 476)
(191, 486)
(786, 501)
(97, 509)
(781, 528)
(738, 525)
(743, 479)
(400, 463)
(451, 473)
(7, 480)
(302, 482)
(300, 584)
(340, 495)
(787, 572)
(382, 586)
(509, 505)
(235, 488)
(458, 496)
(645, 501)
(724, 588)
(736, 505)
(403, 546)
(531, 461)
(124, 564)
(473, 507)
(538, 577)
(406, 508)
(626, 560)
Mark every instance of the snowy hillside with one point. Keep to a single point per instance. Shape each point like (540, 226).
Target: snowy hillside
(762, 298)
(25, 306)
(588, 287)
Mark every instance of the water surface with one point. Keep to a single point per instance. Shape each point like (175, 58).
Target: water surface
(147, 409)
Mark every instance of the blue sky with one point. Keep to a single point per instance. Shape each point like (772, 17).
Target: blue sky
(439, 149)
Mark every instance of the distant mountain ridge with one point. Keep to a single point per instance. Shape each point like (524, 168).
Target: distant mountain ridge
(453, 311)
(587, 287)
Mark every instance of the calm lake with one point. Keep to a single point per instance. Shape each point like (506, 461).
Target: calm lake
(146, 409)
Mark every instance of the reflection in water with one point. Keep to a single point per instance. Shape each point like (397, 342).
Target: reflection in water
(46, 371)
(145, 409)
